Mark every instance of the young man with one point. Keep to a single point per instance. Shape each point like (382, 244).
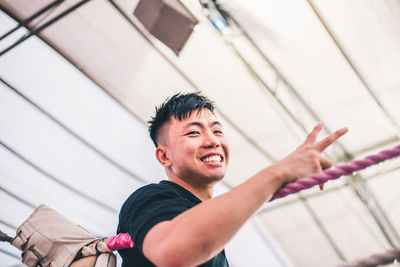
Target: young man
(177, 222)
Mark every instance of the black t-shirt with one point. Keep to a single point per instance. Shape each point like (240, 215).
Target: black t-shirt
(148, 206)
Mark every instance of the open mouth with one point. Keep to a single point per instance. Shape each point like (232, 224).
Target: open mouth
(212, 159)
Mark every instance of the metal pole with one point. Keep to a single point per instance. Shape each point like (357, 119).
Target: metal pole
(45, 25)
(360, 186)
(25, 22)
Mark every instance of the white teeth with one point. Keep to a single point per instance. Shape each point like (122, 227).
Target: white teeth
(214, 158)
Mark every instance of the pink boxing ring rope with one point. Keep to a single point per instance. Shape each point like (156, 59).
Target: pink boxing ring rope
(123, 240)
(331, 174)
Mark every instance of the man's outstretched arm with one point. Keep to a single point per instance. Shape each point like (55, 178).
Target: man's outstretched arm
(201, 232)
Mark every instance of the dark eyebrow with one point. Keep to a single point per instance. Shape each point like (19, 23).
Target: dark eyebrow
(195, 123)
(216, 123)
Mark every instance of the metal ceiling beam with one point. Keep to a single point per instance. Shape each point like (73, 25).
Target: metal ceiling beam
(58, 181)
(258, 226)
(379, 215)
(42, 27)
(31, 205)
(8, 224)
(387, 141)
(75, 135)
(24, 23)
(265, 85)
(92, 79)
(370, 201)
(322, 228)
(18, 198)
(266, 209)
(348, 204)
(290, 87)
(361, 188)
(352, 66)
(10, 254)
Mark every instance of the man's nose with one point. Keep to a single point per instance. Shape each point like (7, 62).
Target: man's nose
(210, 140)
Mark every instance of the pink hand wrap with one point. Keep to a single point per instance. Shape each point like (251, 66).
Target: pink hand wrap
(336, 172)
(120, 241)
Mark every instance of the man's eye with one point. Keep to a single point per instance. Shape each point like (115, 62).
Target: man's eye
(218, 132)
(193, 133)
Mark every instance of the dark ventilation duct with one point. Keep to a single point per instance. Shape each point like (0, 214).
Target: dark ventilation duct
(167, 20)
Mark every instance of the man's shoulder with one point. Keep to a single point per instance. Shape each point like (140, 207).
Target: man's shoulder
(150, 191)
(152, 199)
(145, 190)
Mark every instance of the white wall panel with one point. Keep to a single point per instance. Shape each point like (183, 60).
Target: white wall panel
(299, 46)
(81, 106)
(48, 146)
(12, 212)
(22, 180)
(297, 233)
(370, 38)
(386, 189)
(348, 221)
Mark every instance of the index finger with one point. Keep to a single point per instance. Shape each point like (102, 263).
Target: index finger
(329, 140)
(313, 135)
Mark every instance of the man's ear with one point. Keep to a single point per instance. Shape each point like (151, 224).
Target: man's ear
(162, 157)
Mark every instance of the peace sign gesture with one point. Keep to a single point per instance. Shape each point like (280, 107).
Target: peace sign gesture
(327, 141)
(307, 159)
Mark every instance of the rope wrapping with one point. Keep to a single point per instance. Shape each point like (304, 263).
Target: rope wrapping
(120, 241)
(331, 174)
(375, 260)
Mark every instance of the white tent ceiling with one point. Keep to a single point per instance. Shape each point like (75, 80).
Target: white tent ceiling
(330, 61)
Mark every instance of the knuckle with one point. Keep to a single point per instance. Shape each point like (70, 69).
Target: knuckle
(315, 166)
(308, 147)
(314, 154)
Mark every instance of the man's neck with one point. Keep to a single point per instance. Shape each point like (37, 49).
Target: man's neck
(203, 192)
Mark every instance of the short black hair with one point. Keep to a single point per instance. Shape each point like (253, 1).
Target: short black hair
(180, 106)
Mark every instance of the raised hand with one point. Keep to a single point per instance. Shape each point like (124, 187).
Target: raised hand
(307, 159)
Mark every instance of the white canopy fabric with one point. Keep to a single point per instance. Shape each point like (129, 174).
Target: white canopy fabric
(74, 103)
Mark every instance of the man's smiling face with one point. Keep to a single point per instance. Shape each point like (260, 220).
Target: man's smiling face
(196, 148)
